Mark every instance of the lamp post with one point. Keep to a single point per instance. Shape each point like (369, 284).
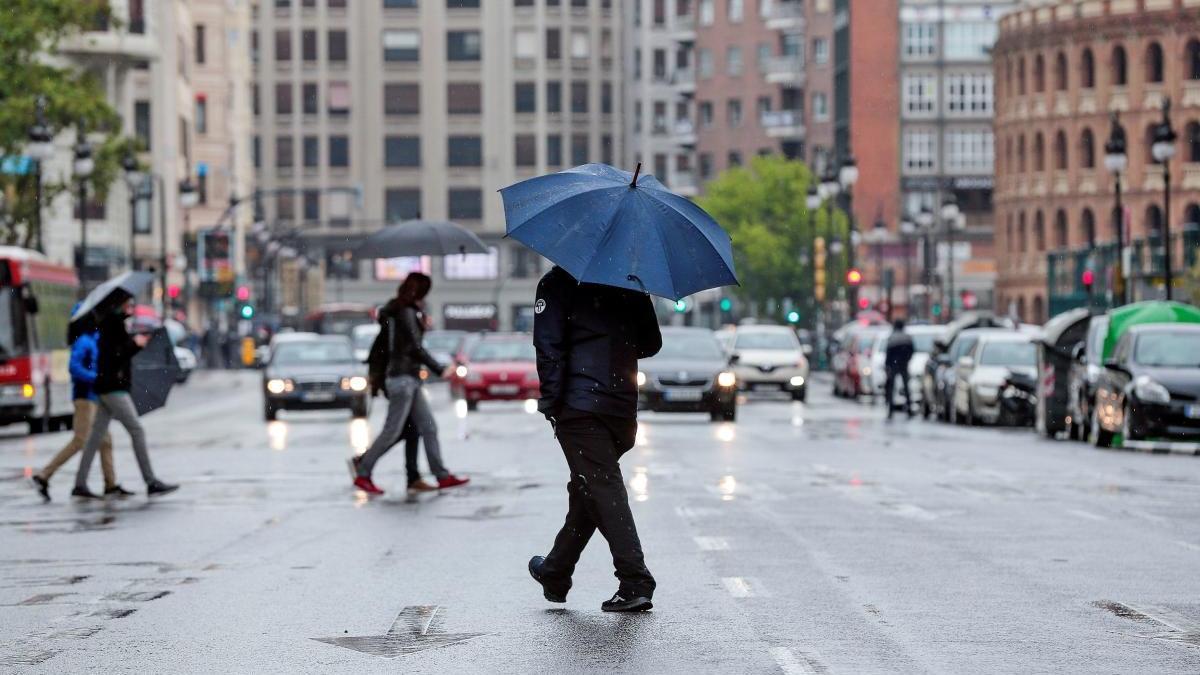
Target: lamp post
(907, 229)
(847, 176)
(82, 168)
(39, 149)
(1115, 160)
(925, 222)
(1163, 149)
(189, 196)
(878, 235)
(950, 215)
(134, 180)
(830, 188)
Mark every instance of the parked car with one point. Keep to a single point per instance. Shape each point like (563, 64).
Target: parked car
(314, 372)
(852, 363)
(1086, 367)
(496, 367)
(187, 363)
(982, 371)
(939, 381)
(444, 344)
(770, 357)
(934, 376)
(1150, 388)
(691, 373)
(923, 337)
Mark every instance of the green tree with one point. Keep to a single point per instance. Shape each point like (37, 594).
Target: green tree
(762, 206)
(30, 34)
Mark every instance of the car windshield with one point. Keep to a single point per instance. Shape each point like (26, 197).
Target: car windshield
(690, 346)
(441, 342)
(1097, 331)
(364, 337)
(962, 345)
(1009, 354)
(311, 352)
(923, 342)
(502, 350)
(1167, 350)
(767, 340)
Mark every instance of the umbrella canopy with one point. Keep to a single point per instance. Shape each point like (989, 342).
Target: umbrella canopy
(607, 226)
(112, 293)
(420, 237)
(1066, 329)
(154, 373)
(1122, 319)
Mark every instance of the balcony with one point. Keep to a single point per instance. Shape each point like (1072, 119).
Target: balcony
(787, 69)
(684, 28)
(786, 16)
(684, 80)
(684, 132)
(121, 36)
(783, 124)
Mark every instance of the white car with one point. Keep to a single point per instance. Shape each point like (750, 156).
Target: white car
(923, 337)
(770, 357)
(363, 336)
(981, 372)
(187, 363)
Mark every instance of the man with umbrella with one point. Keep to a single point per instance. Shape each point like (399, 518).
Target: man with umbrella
(614, 240)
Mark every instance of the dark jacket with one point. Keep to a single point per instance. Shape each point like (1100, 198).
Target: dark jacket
(114, 371)
(899, 351)
(589, 339)
(84, 356)
(397, 349)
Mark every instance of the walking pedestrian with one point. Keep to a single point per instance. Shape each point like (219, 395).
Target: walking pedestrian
(398, 353)
(83, 339)
(588, 339)
(899, 353)
(114, 378)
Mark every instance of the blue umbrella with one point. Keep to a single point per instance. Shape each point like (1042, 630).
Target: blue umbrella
(607, 226)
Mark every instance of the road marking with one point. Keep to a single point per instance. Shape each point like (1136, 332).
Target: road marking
(1086, 514)
(788, 662)
(1167, 617)
(743, 587)
(712, 543)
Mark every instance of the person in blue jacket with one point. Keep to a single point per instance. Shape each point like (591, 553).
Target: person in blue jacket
(85, 354)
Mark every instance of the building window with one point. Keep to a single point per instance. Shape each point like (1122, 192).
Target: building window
(310, 148)
(1087, 69)
(1193, 59)
(606, 98)
(201, 115)
(734, 159)
(465, 203)
(1088, 224)
(462, 4)
(339, 151)
(706, 165)
(1120, 67)
(553, 97)
(401, 98)
(283, 98)
(553, 44)
(312, 206)
(401, 45)
(707, 12)
(920, 93)
(554, 152)
(1060, 230)
(285, 155)
(733, 112)
(308, 45)
(969, 151)
(199, 43)
(919, 40)
(969, 93)
(581, 46)
(283, 46)
(607, 149)
(525, 44)
(919, 150)
(970, 39)
(525, 97)
(1087, 150)
(255, 103)
(464, 98)
(1039, 152)
(1060, 151)
(464, 151)
(1021, 76)
(579, 149)
(1039, 74)
(285, 206)
(820, 51)
(1154, 62)
(1192, 137)
(1039, 231)
(1060, 72)
(463, 45)
(309, 98)
(704, 61)
(579, 97)
(402, 151)
(256, 152)
(141, 123)
(525, 149)
(736, 10)
(336, 44)
(339, 98)
(820, 106)
(733, 61)
(705, 113)
(400, 4)
(401, 204)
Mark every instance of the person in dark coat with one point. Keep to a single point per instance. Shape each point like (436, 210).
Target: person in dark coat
(899, 353)
(588, 339)
(114, 379)
(397, 358)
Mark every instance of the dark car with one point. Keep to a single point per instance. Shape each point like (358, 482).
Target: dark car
(1150, 388)
(690, 374)
(314, 372)
(1087, 366)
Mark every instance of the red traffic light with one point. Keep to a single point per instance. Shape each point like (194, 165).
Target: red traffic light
(173, 291)
(864, 303)
(854, 277)
(1089, 278)
(243, 293)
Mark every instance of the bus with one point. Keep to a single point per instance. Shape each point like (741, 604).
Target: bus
(36, 297)
(339, 318)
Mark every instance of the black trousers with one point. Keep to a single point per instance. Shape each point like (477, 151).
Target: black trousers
(597, 500)
(892, 374)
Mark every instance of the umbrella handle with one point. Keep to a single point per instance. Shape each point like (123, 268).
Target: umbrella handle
(634, 277)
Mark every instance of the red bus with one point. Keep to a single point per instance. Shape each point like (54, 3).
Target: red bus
(36, 297)
(338, 318)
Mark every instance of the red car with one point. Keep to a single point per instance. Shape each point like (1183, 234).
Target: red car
(496, 367)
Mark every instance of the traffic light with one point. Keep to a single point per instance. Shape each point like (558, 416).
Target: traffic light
(726, 304)
(793, 316)
(1089, 278)
(173, 291)
(247, 311)
(864, 303)
(681, 305)
(819, 268)
(936, 309)
(853, 276)
(243, 293)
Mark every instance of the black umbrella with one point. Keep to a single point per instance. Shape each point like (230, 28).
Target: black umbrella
(155, 371)
(420, 237)
(112, 293)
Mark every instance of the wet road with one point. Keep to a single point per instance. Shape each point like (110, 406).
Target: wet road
(802, 539)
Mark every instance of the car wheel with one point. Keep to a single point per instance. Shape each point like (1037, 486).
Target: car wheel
(1128, 431)
(1100, 436)
(360, 408)
(730, 414)
(270, 412)
(472, 405)
(800, 394)
(971, 421)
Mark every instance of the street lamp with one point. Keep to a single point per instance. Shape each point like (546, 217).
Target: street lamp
(925, 222)
(39, 149)
(879, 235)
(189, 197)
(847, 176)
(1115, 160)
(135, 180)
(908, 229)
(82, 168)
(950, 214)
(1163, 149)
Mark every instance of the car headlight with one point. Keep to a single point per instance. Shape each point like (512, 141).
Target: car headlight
(797, 381)
(356, 383)
(726, 379)
(276, 386)
(641, 379)
(987, 392)
(1149, 391)
(865, 370)
(460, 371)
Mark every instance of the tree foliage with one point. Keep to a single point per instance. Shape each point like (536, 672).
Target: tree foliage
(30, 66)
(762, 206)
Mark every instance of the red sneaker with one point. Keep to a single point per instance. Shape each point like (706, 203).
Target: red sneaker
(452, 481)
(366, 485)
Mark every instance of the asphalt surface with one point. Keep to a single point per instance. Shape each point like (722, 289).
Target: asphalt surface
(811, 538)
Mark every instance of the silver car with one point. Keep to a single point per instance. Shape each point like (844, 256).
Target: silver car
(980, 374)
(770, 357)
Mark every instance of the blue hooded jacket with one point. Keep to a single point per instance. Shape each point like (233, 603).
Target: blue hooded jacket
(85, 358)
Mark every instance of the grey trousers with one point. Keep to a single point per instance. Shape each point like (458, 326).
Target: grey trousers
(405, 400)
(119, 405)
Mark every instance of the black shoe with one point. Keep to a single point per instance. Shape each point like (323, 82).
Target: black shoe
(118, 492)
(84, 493)
(620, 603)
(43, 487)
(535, 571)
(158, 488)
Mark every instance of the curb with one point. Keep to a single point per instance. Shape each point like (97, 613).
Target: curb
(1162, 448)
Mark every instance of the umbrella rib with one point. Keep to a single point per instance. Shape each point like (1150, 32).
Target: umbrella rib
(608, 228)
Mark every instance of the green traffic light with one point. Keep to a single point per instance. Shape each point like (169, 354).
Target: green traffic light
(726, 304)
(937, 309)
(793, 316)
(681, 305)
(247, 312)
